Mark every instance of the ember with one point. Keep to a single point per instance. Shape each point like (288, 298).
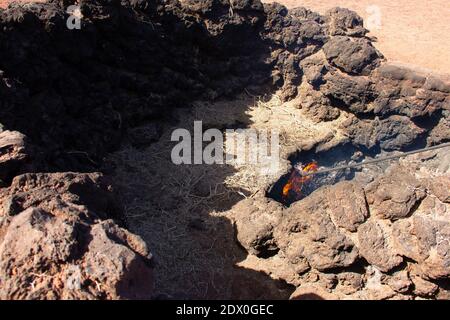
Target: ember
(293, 188)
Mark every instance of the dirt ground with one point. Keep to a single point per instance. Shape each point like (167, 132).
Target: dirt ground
(413, 32)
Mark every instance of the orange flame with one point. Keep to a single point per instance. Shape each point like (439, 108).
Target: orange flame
(297, 180)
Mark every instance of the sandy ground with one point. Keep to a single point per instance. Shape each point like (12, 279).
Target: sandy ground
(414, 32)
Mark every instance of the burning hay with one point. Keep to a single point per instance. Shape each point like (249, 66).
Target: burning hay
(292, 190)
(303, 180)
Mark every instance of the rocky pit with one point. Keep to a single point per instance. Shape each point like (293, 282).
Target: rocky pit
(93, 208)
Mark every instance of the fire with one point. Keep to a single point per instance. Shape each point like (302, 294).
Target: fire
(297, 180)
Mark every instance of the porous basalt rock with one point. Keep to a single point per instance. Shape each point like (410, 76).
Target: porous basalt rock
(345, 22)
(395, 195)
(256, 224)
(375, 246)
(54, 244)
(348, 212)
(307, 232)
(353, 56)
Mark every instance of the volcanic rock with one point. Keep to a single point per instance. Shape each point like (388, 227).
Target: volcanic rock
(423, 287)
(254, 45)
(393, 133)
(424, 239)
(440, 133)
(394, 195)
(375, 246)
(67, 251)
(349, 93)
(349, 282)
(15, 154)
(312, 292)
(306, 232)
(119, 261)
(54, 191)
(144, 135)
(387, 240)
(405, 92)
(347, 205)
(354, 56)
(344, 22)
(256, 223)
(440, 187)
(399, 281)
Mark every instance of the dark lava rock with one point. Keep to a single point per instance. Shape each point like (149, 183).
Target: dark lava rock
(353, 56)
(393, 133)
(344, 22)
